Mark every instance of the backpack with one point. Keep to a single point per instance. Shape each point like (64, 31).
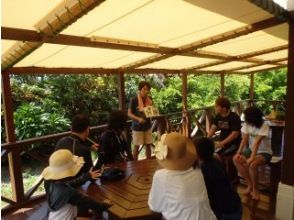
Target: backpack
(112, 174)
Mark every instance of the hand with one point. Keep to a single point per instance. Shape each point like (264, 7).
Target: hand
(141, 120)
(219, 144)
(249, 160)
(95, 174)
(241, 159)
(95, 147)
(108, 203)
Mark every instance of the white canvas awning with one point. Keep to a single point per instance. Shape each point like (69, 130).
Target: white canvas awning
(196, 36)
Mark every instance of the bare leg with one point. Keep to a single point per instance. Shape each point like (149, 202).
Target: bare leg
(243, 169)
(259, 160)
(148, 151)
(136, 152)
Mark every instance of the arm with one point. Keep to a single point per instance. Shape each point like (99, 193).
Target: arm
(244, 142)
(255, 146)
(127, 148)
(229, 139)
(80, 180)
(134, 117)
(104, 150)
(212, 130)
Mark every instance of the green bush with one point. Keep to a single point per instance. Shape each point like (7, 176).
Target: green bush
(32, 120)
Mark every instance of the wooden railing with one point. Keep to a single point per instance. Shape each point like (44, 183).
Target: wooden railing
(190, 123)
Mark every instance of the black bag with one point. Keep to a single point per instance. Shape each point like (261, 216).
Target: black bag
(112, 174)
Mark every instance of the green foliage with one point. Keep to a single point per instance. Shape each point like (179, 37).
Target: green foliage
(87, 94)
(44, 104)
(202, 90)
(237, 87)
(270, 86)
(33, 121)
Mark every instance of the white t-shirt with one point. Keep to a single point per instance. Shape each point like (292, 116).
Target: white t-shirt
(265, 144)
(66, 212)
(180, 195)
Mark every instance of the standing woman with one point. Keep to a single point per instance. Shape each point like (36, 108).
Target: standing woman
(255, 132)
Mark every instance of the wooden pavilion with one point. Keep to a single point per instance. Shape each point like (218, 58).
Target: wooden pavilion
(115, 37)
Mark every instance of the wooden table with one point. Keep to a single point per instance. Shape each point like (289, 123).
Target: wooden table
(130, 195)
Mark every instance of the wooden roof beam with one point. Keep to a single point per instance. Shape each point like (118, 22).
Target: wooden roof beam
(101, 71)
(62, 39)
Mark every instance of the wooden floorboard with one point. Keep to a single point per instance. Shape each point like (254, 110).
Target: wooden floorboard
(252, 210)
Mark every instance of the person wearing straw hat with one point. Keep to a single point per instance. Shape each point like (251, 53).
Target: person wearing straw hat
(60, 185)
(178, 190)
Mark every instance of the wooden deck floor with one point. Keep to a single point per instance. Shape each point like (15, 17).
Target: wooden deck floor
(252, 210)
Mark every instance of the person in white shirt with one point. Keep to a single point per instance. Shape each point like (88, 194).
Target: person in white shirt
(178, 190)
(256, 134)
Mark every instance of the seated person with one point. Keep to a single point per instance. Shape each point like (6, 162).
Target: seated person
(178, 190)
(113, 146)
(77, 143)
(255, 132)
(224, 201)
(229, 124)
(60, 185)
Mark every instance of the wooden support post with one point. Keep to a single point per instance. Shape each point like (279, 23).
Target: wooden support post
(121, 91)
(288, 162)
(251, 91)
(285, 195)
(184, 91)
(222, 85)
(14, 158)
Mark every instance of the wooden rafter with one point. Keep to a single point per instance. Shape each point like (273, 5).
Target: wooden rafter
(243, 57)
(30, 35)
(272, 62)
(63, 17)
(102, 71)
(265, 69)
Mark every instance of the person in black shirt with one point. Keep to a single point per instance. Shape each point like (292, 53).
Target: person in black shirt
(113, 146)
(77, 142)
(229, 124)
(224, 201)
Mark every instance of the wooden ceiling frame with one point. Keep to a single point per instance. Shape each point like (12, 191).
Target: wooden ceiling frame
(192, 50)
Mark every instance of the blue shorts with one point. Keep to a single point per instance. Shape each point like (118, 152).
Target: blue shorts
(267, 157)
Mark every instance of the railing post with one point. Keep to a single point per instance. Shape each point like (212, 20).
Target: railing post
(222, 85)
(251, 91)
(14, 158)
(121, 91)
(186, 124)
